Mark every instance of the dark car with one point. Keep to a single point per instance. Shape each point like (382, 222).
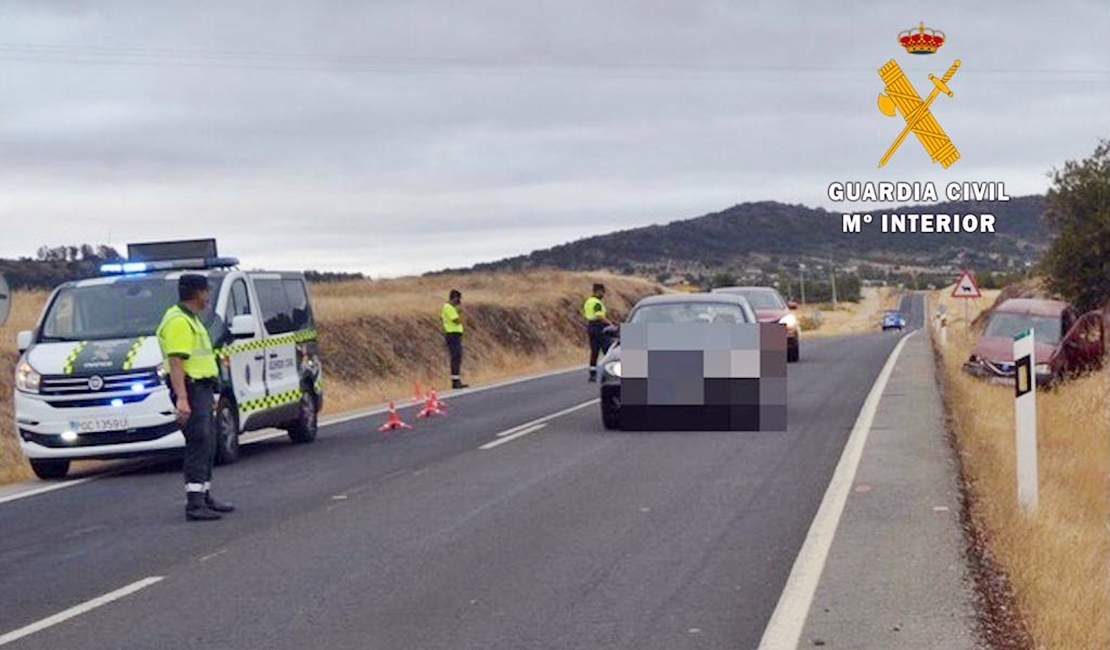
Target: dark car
(1064, 343)
(666, 308)
(893, 319)
(770, 307)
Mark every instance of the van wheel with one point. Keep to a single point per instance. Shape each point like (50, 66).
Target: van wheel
(49, 468)
(611, 411)
(303, 429)
(227, 432)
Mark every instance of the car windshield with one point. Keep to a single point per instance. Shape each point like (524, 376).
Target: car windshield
(128, 308)
(763, 299)
(689, 312)
(1046, 329)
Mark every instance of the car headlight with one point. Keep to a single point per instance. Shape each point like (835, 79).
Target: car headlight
(161, 372)
(613, 368)
(790, 320)
(27, 379)
(1041, 369)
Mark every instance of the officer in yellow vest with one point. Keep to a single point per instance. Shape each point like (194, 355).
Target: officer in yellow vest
(193, 372)
(453, 333)
(596, 321)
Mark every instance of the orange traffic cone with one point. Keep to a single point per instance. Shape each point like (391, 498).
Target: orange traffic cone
(432, 406)
(394, 421)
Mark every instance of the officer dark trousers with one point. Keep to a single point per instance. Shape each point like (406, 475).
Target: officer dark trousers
(454, 349)
(200, 434)
(598, 340)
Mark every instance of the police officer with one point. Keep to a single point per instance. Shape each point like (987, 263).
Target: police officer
(596, 322)
(193, 375)
(452, 333)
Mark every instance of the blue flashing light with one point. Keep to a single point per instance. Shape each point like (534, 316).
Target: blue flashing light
(117, 402)
(111, 268)
(136, 387)
(134, 267)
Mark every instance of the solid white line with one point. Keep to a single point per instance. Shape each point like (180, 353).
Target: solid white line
(78, 610)
(547, 418)
(49, 488)
(784, 630)
(519, 434)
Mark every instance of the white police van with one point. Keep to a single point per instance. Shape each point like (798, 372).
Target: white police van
(90, 381)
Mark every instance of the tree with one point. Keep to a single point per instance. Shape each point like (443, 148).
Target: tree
(1077, 262)
(722, 279)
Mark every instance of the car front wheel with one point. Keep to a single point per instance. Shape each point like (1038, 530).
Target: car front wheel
(611, 409)
(49, 468)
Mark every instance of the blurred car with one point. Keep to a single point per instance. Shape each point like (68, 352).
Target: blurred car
(893, 319)
(1064, 343)
(770, 307)
(666, 308)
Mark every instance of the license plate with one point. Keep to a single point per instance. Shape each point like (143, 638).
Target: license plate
(95, 425)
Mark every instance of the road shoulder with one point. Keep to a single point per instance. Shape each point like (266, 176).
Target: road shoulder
(896, 574)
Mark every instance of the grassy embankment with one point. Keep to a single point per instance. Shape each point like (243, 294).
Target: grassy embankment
(379, 338)
(848, 317)
(1056, 559)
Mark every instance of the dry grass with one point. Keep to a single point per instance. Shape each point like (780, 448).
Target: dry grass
(26, 306)
(1056, 559)
(379, 338)
(848, 317)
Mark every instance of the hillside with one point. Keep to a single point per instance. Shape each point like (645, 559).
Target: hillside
(763, 233)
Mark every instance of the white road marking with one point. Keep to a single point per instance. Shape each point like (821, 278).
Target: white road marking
(940, 508)
(49, 488)
(78, 610)
(212, 555)
(547, 418)
(519, 434)
(784, 630)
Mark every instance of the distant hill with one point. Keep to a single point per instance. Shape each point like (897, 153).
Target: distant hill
(751, 233)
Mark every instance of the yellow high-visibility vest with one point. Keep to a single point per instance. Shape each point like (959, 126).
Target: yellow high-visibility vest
(182, 335)
(593, 309)
(449, 315)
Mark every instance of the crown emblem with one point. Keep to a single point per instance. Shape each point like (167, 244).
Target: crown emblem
(921, 40)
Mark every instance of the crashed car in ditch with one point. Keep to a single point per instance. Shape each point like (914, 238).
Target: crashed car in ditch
(1065, 342)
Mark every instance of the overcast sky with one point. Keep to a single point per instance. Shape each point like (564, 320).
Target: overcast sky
(401, 136)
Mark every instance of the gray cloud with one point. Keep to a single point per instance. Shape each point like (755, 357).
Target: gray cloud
(393, 137)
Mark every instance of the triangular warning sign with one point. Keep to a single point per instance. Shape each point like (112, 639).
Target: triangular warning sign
(966, 287)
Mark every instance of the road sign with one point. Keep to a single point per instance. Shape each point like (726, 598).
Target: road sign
(5, 300)
(1025, 418)
(966, 287)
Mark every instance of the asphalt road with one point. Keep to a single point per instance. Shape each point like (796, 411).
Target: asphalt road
(566, 537)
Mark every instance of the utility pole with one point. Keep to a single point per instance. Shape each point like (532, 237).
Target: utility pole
(832, 272)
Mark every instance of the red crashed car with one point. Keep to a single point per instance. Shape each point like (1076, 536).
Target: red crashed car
(1065, 343)
(770, 307)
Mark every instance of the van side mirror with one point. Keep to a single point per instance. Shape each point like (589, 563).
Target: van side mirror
(242, 326)
(791, 305)
(23, 340)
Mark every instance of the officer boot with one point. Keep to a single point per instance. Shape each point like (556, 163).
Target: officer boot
(217, 506)
(197, 510)
(457, 383)
(593, 376)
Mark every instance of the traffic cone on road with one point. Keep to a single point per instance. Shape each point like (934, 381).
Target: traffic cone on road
(394, 421)
(432, 406)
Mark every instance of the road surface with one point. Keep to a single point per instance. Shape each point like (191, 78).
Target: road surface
(449, 535)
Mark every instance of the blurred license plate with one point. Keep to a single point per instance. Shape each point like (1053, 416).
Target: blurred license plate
(94, 425)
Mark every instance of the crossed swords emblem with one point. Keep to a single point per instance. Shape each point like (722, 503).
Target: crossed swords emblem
(901, 97)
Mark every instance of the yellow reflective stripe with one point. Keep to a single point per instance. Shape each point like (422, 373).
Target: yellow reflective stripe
(271, 401)
(259, 344)
(129, 360)
(67, 368)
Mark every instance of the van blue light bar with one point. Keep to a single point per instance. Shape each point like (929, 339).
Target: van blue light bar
(168, 265)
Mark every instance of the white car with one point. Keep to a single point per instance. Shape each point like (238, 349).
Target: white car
(90, 381)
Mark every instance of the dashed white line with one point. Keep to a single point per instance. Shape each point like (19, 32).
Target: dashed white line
(784, 630)
(61, 617)
(522, 432)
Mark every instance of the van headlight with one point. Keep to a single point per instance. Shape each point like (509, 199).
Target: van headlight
(161, 372)
(790, 320)
(27, 379)
(613, 368)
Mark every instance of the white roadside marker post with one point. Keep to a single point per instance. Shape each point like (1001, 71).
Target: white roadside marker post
(1025, 419)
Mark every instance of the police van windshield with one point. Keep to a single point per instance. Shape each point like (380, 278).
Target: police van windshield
(126, 308)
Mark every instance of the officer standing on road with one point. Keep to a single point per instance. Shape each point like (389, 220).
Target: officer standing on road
(596, 322)
(193, 375)
(453, 332)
